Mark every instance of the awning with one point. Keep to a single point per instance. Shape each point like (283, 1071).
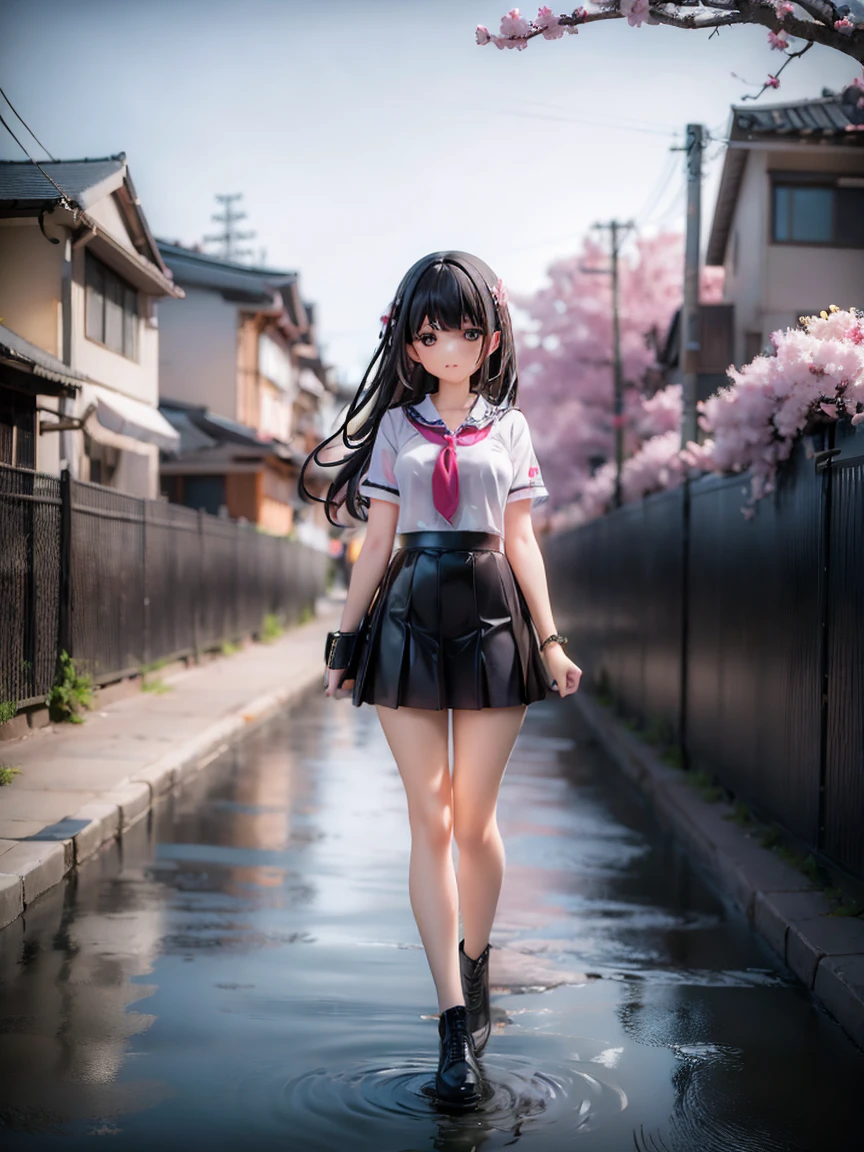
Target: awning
(49, 375)
(128, 417)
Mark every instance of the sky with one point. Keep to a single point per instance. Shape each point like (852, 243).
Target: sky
(365, 133)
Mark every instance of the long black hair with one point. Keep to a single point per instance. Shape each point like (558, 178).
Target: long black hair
(448, 288)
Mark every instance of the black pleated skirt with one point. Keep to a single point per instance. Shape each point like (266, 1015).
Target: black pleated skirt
(449, 628)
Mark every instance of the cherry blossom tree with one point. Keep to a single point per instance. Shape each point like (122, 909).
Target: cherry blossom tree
(565, 355)
(838, 26)
(814, 375)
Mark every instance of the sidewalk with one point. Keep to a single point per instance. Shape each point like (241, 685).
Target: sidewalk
(81, 785)
(824, 950)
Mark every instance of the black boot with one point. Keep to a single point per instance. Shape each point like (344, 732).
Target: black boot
(475, 989)
(459, 1079)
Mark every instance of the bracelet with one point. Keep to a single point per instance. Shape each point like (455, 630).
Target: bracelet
(555, 638)
(339, 649)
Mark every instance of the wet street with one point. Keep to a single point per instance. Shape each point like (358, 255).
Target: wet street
(245, 972)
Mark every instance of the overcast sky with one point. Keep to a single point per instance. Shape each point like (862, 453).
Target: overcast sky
(366, 134)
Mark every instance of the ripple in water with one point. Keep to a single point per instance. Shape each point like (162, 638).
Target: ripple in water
(327, 1106)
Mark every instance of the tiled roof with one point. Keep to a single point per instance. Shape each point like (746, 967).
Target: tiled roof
(20, 353)
(83, 181)
(833, 119)
(827, 116)
(197, 269)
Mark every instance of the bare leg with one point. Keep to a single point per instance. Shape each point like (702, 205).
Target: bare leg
(482, 743)
(418, 741)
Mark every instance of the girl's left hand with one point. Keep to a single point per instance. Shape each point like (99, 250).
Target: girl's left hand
(561, 669)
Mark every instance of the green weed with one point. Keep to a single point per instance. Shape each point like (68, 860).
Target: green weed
(849, 907)
(307, 613)
(228, 648)
(271, 628)
(72, 693)
(740, 815)
(8, 709)
(7, 774)
(658, 734)
(674, 757)
(158, 686)
(770, 836)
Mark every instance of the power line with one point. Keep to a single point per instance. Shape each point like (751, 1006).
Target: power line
(47, 176)
(15, 112)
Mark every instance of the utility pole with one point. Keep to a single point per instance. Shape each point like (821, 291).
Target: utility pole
(229, 235)
(617, 230)
(690, 339)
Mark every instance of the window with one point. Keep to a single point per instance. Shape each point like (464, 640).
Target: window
(818, 214)
(17, 428)
(111, 309)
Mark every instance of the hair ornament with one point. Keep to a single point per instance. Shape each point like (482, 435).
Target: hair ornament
(500, 293)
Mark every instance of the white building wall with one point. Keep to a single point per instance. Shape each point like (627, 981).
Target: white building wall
(31, 272)
(198, 351)
(771, 285)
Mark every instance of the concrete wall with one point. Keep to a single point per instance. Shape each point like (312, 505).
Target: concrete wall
(31, 271)
(771, 285)
(198, 351)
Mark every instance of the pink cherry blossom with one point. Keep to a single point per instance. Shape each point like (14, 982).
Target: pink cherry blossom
(782, 9)
(514, 24)
(548, 21)
(778, 41)
(635, 11)
(858, 82)
(845, 26)
(500, 293)
(816, 373)
(772, 82)
(482, 34)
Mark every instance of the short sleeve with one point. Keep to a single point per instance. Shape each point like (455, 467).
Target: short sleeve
(379, 483)
(527, 478)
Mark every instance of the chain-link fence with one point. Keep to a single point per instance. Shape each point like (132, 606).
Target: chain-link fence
(121, 583)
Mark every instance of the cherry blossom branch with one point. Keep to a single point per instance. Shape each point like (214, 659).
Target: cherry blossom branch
(830, 25)
(774, 81)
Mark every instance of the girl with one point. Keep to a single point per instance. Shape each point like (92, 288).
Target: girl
(437, 450)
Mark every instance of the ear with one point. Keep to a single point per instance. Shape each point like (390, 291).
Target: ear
(412, 353)
(493, 343)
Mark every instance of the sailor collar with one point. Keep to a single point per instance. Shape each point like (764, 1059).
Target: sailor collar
(481, 414)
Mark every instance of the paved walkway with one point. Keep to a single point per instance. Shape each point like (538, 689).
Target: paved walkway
(81, 785)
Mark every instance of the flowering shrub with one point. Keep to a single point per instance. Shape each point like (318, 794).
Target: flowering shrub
(815, 375)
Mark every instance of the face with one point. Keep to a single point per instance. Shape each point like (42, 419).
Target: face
(449, 354)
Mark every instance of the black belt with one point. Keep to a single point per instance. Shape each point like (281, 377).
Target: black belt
(460, 541)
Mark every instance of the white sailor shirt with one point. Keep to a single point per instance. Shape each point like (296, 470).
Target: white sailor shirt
(492, 472)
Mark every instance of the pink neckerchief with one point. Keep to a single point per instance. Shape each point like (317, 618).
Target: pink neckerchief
(445, 474)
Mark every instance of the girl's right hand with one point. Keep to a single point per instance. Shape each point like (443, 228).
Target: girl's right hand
(332, 686)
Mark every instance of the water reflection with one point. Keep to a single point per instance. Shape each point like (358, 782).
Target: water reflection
(246, 971)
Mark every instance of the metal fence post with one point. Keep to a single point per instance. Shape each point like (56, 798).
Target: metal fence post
(64, 614)
(146, 585)
(685, 621)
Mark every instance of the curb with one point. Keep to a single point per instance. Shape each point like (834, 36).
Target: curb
(38, 863)
(792, 915)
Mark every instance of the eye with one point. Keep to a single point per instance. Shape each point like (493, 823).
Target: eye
(473, 334)
(427, 339)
